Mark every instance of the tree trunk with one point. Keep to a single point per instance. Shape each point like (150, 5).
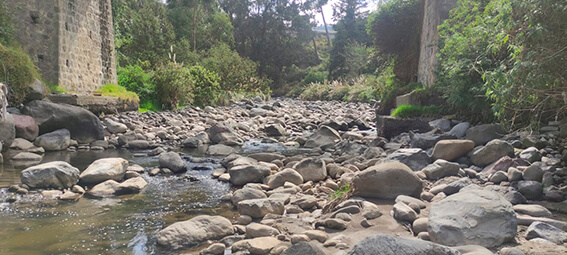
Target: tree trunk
(326, 29)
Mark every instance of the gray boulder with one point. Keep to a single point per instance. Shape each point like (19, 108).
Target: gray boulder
(36, 91)
(483, 134)
(104, 189)
(56, 175)
(530, 154)
(493, 151)
(172, 161)
(532, 190)
(115, 127)
(7, 131)
(303, 248)
(322, 137)
(389, 127)
(546, 231)
(240, 175)
(533, 173)
(55, 141)
(392, 245)
(258, 208)
(246, 194)
(474, 216)
(131, 186)
(194, 231)
(452, 149)
(83, 125)
(286, 175)
(312, 169)
(222, 134)
(441, 168)
(274, 130)
(414, 158)
(387, 181)
(105, 169)
(197, 140)
(460, 130)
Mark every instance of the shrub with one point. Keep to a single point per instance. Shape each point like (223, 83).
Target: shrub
(414, 111)
(112, 90)
(135, 79)
(17, 71)
(314, 76)
(173, 85)
(206, 88)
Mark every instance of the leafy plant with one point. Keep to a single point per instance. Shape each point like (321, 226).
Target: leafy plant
(415, 111)
(17, 71)
(341, 192)
(206, 88)
(174, 85)
(135, 79)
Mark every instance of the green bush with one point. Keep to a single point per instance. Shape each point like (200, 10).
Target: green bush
(174, 85)
(314, 76)
(415, 111)
(206, 88)
(113, 90)
(135, 79)
(6, 31)
(17, 71)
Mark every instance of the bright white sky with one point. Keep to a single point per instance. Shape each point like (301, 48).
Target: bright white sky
(328, 10)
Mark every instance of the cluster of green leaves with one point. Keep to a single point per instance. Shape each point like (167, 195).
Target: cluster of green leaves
(505, 58)
(415, 111)
(341, 192)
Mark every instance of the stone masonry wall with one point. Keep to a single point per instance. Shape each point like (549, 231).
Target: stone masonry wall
(71, 41)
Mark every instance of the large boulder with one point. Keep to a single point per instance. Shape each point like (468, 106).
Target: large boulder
(392, 245)
(54, 141)
(387, 181)
(26, 127)
(85, 127)
(221, 134)
(7, 131)
(472, 216)
(452, 149)
(483, 134)
(55, 175)
(324, 136)
(172, 161)
(493, 151)
(414, 158)
(389, 127)
(312, 169)
(105, 169)
(240, 175)
(258, 208)
(194, 231)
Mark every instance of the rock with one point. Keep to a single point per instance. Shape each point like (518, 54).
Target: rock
(197, 140)
(502, 164)
(220, 150)
(473, 250)
(493, 151)
(533, 173)
(474, 216)
(105, 169)
(546, 231)
(402, 212)
(483, 134)
(240, 175)
(274, 130)
(510, 251)
(532, 210)
(27, 156)
(426, 141)
(172, 161)
(499, 177)
(312, 169)
(194, 231)
(514, 174)
(254, 230)
(408, 200)
(515, 197)
(83, 125)
(138, 145)
(7, 131)
(256, 246)
(244, 220)
(532, 190)
(214, 249)
(26, 127)
(322, 137)
(115, 127)
(530, 154)
(267, 156)
(460, 130)
(452, 149)
(246, 194)
(55, 141)
(304, 248)
(56, 175)
(392, 245)
(442, 124)
(441, 168)
(221, 134)
(316, 235)
(104, 189)
(389, 127)
(420, 225)
(414, 158)
(286, 175)
(387, 181)
(36, 91)
(456, 186)
(257, 112)
(258, 208)
(132, 186)
(335, 224)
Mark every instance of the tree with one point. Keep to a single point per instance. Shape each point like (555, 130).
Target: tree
(320, 4)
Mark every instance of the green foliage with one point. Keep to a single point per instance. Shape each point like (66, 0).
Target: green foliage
(206, 88)
(314, 76)
(341, 192)
(113, 90)
(6, 30)
(508, 56)
(173, 85)
(135, 79)
(415, 111)
(395, 30)
(362, 89)
(55, 89)
(18, 72)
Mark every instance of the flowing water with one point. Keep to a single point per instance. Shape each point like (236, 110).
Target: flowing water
(119, 225)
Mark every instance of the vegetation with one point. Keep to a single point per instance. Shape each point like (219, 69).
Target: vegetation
(416, 111)
(18, 71)
(113, 90)
(341, 192)
(173, 85)
(205, 85)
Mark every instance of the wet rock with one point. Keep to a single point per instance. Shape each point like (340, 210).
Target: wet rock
(312, 169)
(286, 175)
(27, 156)
(473, 216)
(452, 149)
(414, 158)
(26, 127)
(240, 175)
(138, 145)
(197, 140)
(258, 208)
(83, 125)
(105, 169)
(392, 245)
(483, 134)
(172, 161)
(194, 231)
(222, 134)
(56, 175)
(220, 150)
(131, 186)
(547, 232)
(55, 141)
(493, 151)
(104, 189)
(387, 181)
(441, 168)
(323, 137)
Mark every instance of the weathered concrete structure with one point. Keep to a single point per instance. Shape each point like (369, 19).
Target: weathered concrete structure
(70, 41)
(434, 13)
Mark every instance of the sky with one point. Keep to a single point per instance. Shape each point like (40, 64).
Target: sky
(328, 11)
